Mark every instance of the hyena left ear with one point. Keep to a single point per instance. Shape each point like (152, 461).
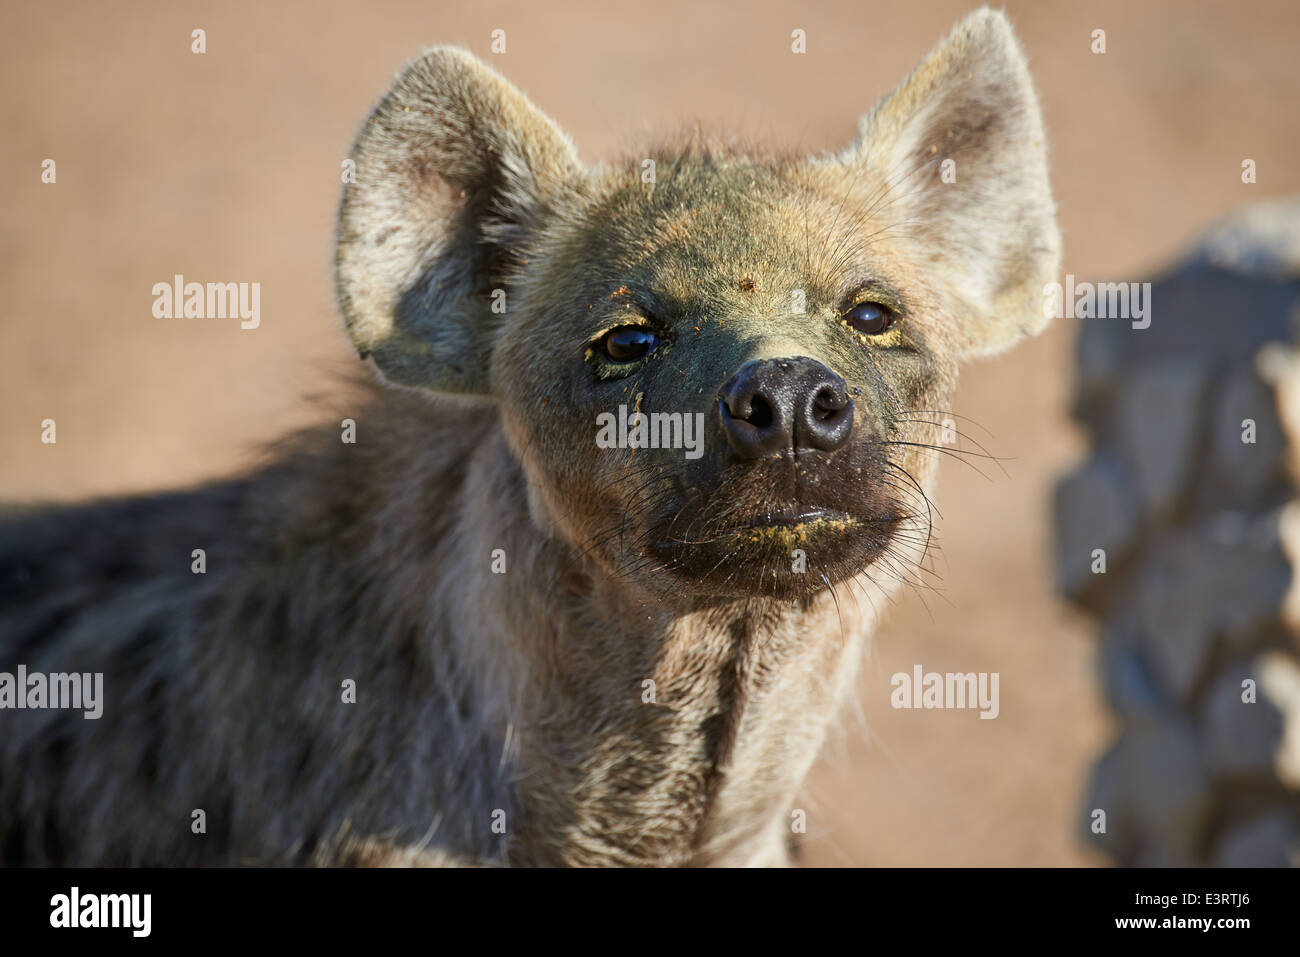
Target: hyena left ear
(453, 169)
(959, 147)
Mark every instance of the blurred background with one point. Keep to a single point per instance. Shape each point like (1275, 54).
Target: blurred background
(225, 166)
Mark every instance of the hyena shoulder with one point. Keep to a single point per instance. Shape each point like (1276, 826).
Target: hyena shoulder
(263, 596)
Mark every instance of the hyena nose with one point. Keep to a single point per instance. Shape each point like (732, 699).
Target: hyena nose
(774, 405)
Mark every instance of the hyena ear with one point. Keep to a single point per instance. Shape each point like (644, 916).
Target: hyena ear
(959, 146)
(453, 168)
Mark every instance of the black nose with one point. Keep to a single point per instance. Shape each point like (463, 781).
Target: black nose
(772, 405)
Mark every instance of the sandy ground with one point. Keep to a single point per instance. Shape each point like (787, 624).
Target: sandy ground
(226, 166)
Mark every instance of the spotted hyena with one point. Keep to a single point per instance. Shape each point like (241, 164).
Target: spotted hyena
(643, 455)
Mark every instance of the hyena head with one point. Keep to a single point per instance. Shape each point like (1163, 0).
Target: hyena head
(710, 364)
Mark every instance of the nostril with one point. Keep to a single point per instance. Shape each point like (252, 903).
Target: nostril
(828, 402)
(760, 413)
(827, 417)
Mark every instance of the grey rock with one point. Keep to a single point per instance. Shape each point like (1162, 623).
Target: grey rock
(1177, 629)
(1271, 840)
(1158, 416)
(1096, 507)
(1107, 793)
(1100, 363)
(1248, 469)
(1222, 582)
(1166, 784)
(1126, 676)
(1240, 739)
(1155, 792)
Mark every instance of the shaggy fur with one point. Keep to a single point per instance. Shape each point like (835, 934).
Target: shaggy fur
(650, 679)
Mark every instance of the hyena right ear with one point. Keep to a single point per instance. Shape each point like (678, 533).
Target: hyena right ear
(959, 150)
(453, 167)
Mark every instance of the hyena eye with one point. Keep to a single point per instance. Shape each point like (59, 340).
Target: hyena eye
(628, 343)
(870, 318)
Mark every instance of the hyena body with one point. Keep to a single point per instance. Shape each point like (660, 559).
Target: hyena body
(561, 653)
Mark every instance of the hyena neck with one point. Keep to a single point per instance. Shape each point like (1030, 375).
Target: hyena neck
(640, 733)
